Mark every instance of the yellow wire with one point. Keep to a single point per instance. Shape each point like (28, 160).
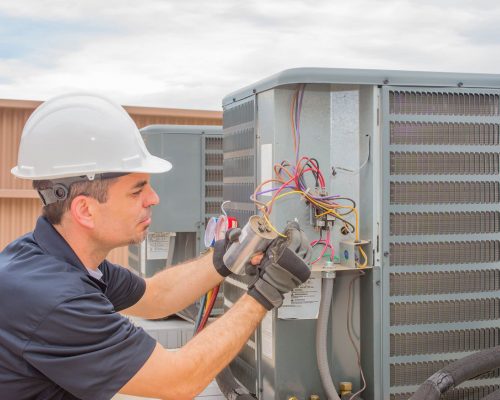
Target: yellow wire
(285, 194)
(364, 256)
(321, 205)
(209, 295)
(272, 226)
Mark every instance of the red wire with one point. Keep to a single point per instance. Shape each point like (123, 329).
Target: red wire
(277, 193)
(209, 309)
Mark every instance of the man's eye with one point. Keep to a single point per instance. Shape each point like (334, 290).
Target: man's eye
(136, 193)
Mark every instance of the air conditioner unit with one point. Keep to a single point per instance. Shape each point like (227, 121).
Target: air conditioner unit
(190, 193)
(419, 154)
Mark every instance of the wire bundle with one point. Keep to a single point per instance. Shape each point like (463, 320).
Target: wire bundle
(291, 179)
(206, 306)
(216, 230)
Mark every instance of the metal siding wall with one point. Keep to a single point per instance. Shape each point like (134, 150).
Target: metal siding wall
(18, 215)
(11, 125)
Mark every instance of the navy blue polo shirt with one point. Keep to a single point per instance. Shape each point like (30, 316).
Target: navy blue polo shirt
(60, 334)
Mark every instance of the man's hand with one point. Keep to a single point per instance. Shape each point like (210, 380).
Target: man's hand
(284, 267)
(220, 248)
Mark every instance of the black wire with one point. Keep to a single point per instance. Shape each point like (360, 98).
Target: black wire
(315, 173)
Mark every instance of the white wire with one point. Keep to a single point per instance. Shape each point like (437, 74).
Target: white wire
(357, 171)
(222, 206)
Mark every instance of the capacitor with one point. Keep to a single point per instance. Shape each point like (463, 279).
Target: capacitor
(255, 238)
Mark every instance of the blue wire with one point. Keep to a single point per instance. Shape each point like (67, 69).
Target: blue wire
(203, 301)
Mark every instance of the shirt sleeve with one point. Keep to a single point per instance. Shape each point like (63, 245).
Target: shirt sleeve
(124, 287)
(87, 348)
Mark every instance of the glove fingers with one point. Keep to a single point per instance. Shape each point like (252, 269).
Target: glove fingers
(307, 254)
(281, 279)
(294, 239)
(232, 235)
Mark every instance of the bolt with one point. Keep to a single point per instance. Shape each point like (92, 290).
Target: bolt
(377, 283)
(386, 254)
(386, 81)
(329, 274)
(460, 84)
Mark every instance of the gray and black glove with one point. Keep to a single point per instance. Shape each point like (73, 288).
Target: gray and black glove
(284, 267)
(220, 248)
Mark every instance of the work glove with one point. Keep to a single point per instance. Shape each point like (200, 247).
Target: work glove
(284, 267)
(220, 248)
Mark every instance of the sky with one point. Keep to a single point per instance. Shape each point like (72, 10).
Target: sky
(192, 53)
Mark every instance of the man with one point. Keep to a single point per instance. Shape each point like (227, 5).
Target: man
(61, 336)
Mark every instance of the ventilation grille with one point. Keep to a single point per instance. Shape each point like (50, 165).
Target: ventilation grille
(444, 192)
(409, 344)
(439, 314)
(469, 393)
(429, 103)
(416, 373)
(238, 192)
(444, 253)
(239, 140)
(214, 143)
(421, 283)
(238, 115)
(420, 163)
(433, 133)
(239, 159)
(433, 312)
(212, 207)
(213, 191)
(213, 159)
(444, 223)
(213, 175)
(239, 167)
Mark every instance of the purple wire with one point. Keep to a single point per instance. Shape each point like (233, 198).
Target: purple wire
(297, 112)
(272, 190)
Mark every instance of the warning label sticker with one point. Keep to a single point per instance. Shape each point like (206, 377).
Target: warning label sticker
(302, 302)
(158, 244)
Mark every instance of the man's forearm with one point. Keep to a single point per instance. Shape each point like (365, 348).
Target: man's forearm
(183, 374)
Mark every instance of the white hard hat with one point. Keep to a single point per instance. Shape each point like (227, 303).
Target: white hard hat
(82, 135)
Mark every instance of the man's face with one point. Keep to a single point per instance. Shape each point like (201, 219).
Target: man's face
(126, 215)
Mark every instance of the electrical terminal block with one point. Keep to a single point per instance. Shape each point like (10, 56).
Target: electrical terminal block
(355, 253)
(326, 221)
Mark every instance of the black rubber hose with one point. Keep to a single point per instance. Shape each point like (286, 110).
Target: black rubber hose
(457, 372)
(493, 396)
(230, 387)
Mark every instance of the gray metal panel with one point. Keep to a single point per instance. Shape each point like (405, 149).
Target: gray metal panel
(182, 129)
(428, 288)
(292, 369)
(187, 192)
(180, 188)
(365, 77)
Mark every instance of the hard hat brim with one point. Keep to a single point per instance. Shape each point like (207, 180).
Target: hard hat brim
(150, 165)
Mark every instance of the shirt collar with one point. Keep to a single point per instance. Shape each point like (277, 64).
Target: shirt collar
(54, 244)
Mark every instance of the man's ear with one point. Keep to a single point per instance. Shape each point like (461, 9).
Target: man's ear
(82, 211)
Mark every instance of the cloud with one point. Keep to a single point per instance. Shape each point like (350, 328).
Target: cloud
(191, 54)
